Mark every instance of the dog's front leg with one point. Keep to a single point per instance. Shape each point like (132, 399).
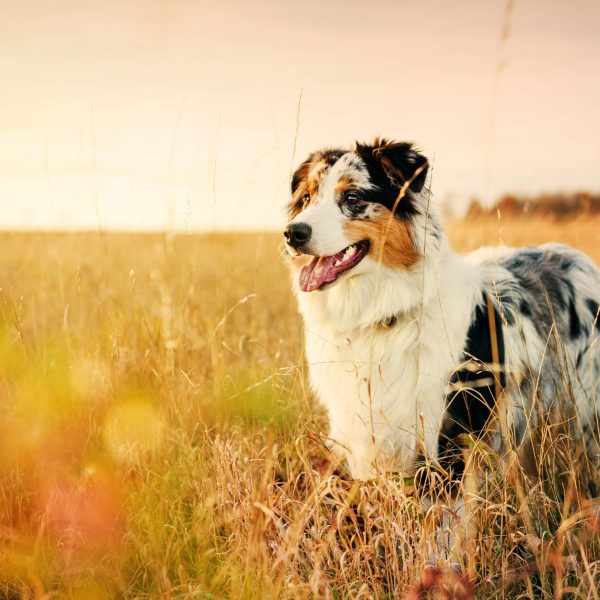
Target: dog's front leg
(449, 498)
(450, 507)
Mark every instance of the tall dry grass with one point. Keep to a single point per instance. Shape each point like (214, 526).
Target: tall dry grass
(157, 440)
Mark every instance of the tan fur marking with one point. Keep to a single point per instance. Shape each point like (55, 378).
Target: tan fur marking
(344, 183)
(313, 187)
(397, 251)
(310, 173)
(295, 205)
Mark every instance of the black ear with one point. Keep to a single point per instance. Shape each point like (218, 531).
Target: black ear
(402, 163)
(399, 161)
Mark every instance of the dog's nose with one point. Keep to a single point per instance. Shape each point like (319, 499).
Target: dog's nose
(297, 234)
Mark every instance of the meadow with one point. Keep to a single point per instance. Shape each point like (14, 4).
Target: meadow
(158, 439)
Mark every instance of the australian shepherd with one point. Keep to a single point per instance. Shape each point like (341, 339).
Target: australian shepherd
(409, 344)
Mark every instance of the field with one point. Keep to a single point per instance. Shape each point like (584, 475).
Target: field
(158, 440)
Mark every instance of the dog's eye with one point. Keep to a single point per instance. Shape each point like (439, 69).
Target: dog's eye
(351, 197)
(305, 200)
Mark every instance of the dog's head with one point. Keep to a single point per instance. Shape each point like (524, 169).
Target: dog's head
(352, 210)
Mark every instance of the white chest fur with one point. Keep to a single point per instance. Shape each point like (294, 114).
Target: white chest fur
(367, 380)
(383, 387)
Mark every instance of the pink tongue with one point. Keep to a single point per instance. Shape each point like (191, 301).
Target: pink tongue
(317, 272)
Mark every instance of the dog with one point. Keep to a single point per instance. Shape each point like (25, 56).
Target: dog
(410, 345)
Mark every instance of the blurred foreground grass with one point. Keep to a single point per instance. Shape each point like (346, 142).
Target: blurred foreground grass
(157, 438)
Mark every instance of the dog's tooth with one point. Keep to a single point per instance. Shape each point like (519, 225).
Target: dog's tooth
(350, 252)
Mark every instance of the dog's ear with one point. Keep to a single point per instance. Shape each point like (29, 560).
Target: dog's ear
(300, 174)
(399, 161)
(297, 188)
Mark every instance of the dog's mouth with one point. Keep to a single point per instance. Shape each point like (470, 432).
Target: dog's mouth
(322, 270)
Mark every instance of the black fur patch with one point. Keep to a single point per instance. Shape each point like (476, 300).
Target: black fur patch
(524, 308)
(594, 307)
(355, 209)
(575, 323)
(469, 410)
(390, 165)
(332, 155)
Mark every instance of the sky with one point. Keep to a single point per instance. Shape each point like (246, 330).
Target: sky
(190, 115)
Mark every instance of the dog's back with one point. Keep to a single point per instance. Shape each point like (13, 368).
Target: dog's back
(546, 302)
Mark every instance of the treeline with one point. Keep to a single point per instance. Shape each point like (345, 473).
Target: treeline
(545, 205)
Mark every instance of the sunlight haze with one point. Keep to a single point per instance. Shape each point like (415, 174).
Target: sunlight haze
(154, 115)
